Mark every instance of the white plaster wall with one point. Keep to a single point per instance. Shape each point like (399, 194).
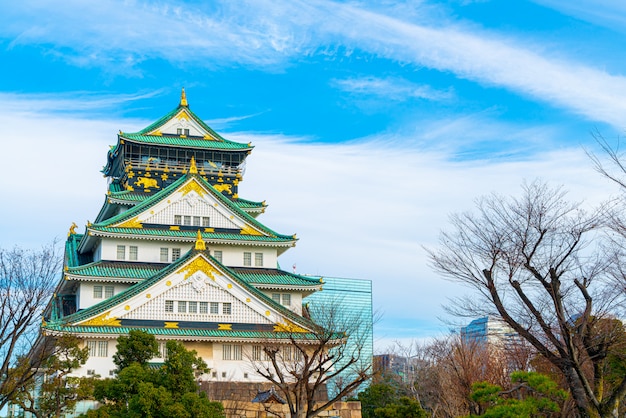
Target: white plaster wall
(150, 251)
(84, 294)
(101, 365)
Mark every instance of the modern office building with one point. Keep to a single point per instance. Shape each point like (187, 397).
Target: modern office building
(351, 301)
(488, 330)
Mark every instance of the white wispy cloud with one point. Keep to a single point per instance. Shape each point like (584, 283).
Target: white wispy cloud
(269, 34)
(396, 88)
(607, 13)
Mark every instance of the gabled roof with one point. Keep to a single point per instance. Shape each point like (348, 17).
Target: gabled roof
(118, 225)
(190, 142)
(115, 270)
(276, 278)
(188, 259)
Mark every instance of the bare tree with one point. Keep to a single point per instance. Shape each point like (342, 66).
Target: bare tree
(537, 263)
(332, 356)
(27, 281)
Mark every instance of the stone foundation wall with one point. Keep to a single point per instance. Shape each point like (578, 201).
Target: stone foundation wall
(245, 392)
(236, 409)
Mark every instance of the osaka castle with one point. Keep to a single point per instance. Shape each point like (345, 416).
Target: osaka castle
(176, 252)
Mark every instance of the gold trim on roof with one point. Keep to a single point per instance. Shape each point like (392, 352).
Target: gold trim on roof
(199, 264)
(183, 98)
(200, 244)
(103, 320)
(131, 223)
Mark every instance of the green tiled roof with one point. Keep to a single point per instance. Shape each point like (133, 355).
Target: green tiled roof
(128, 195)
(207, 236)
(274, 277)
(182, 332)
(248, 204)
(173, 113)
(72, 258)
(192, 142)
(162, 194)
(117, 269)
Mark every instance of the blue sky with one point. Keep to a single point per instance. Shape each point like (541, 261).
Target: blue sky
(372, 121)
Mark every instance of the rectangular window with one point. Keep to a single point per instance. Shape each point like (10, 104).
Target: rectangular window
(179, 131)
(92, 348)
(109, 291)
(193, 307)
(165, 255)
(196, 221)
(204, 307)
(276, 297)
(206, 221)
(175, 254)
(227, 351)
(286, 299)
(182, 306)
(121, 252)
(237, 352)
(132, 253)
(187, 220)
(287, 353)
(186, 132)
(247, 259)
(226, 308)
(178, 220)
(256, 352)
(217, 255)
(97, 292)
(103, 348)
(215, 308)
(169, 306)
(258, 259)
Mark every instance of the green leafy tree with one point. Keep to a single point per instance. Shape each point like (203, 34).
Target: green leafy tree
(385, 400)
(137, 347)
(533, 394)
(142, 391)
(54, 393)
(404, 407)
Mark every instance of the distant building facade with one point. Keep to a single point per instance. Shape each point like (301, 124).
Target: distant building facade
(488, 330)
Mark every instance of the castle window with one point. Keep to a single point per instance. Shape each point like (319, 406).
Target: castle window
(258, 259)
(175, 254)
(108, 291)
(187, 220)
(169, 306)
(215, 308)
(92, 348)
(227, 308)
(182, 306)
(179, 131)
(286, 299)
(132, 253)
(97, 292)
(247, 259)
(165, 255)
(256, 352)
(205, 221)
(186, 131)
(231, 352)
(204, 307)
(217, 255)
(178, 220)
(193, 307)
(121, 252)
(103, 348)
(276, 297)
(196, 220)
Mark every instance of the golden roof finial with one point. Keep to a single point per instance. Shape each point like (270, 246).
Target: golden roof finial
(72, 229)
(192, 166)
(200, 244)
(183, 98)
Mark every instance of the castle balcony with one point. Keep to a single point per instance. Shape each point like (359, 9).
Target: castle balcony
(175, 166)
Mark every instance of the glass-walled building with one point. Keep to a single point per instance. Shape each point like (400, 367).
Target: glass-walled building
(350, 301)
